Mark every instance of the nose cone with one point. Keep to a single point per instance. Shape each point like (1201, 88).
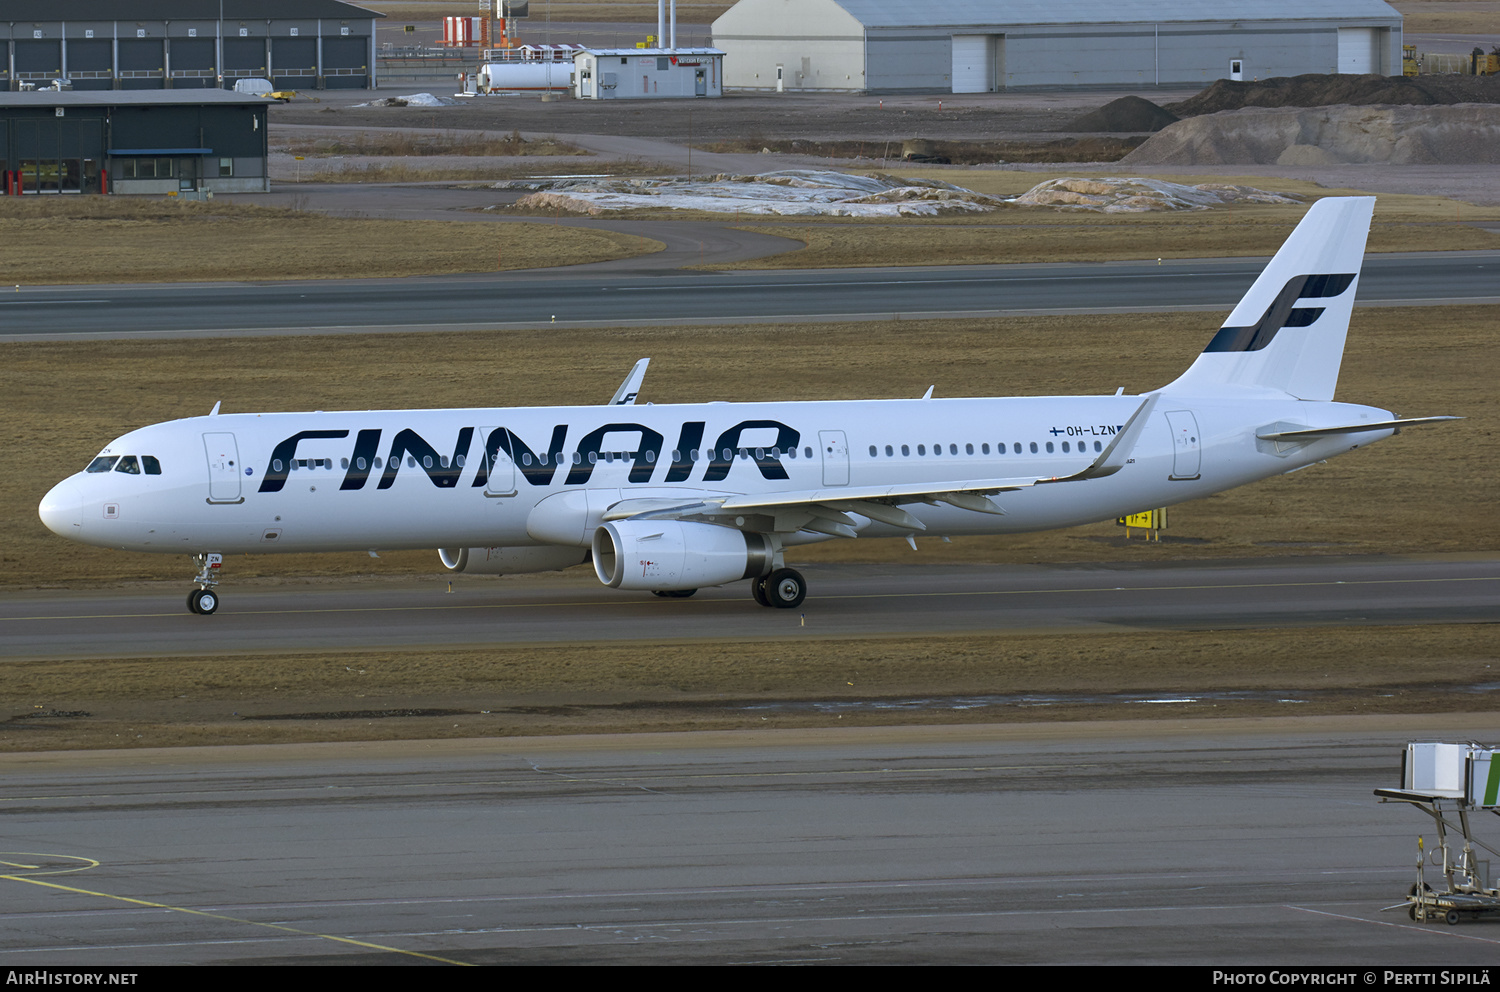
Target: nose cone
(62, 510)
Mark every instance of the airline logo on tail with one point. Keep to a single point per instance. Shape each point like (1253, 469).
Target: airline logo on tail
(1283, 312)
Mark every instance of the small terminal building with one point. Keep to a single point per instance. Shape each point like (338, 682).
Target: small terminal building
(186, 44)
(647, 73)
(170, 141)
(980, 46)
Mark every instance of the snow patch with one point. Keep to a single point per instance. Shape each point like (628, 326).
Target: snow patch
(794, 192)
(413, 100)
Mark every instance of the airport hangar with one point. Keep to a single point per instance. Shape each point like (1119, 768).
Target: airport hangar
(181, 44)
(983, 46)
(166, 141)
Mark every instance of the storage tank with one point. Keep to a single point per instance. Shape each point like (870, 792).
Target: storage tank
(530, 67)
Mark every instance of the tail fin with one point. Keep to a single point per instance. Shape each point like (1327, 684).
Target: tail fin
(1288, 332)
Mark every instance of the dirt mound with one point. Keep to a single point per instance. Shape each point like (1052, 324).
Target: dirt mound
(1462, 134)
(1322, 90)
(1127, 115)
(1119, 196)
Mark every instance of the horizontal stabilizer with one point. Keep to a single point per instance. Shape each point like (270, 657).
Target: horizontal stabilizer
(1313, 433)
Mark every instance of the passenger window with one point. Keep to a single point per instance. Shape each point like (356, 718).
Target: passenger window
(1049, 447)
(151, 465)
(905, 451)
(872, 451)
(128, 465)
(985, 447)
(807, 451)
(888, 452)
(1065, 447)
(102, 464)
(969, 448)
(953, 449)
(1033, 447)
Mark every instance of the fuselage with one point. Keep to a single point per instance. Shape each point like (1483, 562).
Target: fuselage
(368, 480)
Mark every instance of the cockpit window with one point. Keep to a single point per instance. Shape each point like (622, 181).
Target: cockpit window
(129, 465)
(102, 464)
(151, 465)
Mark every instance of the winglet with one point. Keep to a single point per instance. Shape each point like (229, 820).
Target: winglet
(1117, 454)
(625, 395)
(215, 411)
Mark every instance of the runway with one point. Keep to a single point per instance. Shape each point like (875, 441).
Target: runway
(1207, 842)
(574, 297)
(844, 601)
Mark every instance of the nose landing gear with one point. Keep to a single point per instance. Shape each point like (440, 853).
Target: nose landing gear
(203, 600)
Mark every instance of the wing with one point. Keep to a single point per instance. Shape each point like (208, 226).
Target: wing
(829, 511)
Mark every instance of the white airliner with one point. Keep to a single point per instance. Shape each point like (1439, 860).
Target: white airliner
(672, 498)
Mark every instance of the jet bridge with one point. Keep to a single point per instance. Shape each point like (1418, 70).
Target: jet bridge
(1448, 782)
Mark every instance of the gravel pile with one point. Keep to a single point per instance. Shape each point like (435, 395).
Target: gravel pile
(1465, 134)
(1320, 90)
(1127, 115)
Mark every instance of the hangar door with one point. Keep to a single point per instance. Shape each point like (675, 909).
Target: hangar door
(1357, 50)
(978, 62)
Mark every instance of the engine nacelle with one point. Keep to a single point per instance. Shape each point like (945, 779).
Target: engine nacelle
(510, 561)
(663, 555)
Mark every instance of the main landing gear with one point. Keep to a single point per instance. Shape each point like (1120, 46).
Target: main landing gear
(203, 600)
(784, 588)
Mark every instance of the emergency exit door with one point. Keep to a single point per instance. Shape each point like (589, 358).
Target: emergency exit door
(835, 458)
(223, 468)
(1186, 456)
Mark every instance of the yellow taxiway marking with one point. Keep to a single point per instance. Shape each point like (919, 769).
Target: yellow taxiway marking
(232, 919)
(79, 864)
(595, 604)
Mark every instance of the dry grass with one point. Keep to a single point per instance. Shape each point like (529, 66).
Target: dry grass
(1430, 490)
(140, 239)
(492, 170)
(600, 688)
(1091, 149)
(1448, 16)
(412, 143)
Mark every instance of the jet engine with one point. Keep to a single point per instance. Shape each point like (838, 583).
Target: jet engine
(663, 555)
(510, 561)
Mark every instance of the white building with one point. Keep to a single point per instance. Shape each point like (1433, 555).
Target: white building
(647, 73)
(977, 46)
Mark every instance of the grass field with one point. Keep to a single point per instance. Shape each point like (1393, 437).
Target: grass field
(1427, 490)
(138, 239)
(130, 239)
(595, 689)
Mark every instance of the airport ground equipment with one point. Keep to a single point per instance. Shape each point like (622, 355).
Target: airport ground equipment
(1443, 781)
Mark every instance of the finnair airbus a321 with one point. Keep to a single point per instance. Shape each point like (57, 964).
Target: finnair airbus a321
(672, 498)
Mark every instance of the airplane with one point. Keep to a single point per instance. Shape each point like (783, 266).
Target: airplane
(673, 498)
